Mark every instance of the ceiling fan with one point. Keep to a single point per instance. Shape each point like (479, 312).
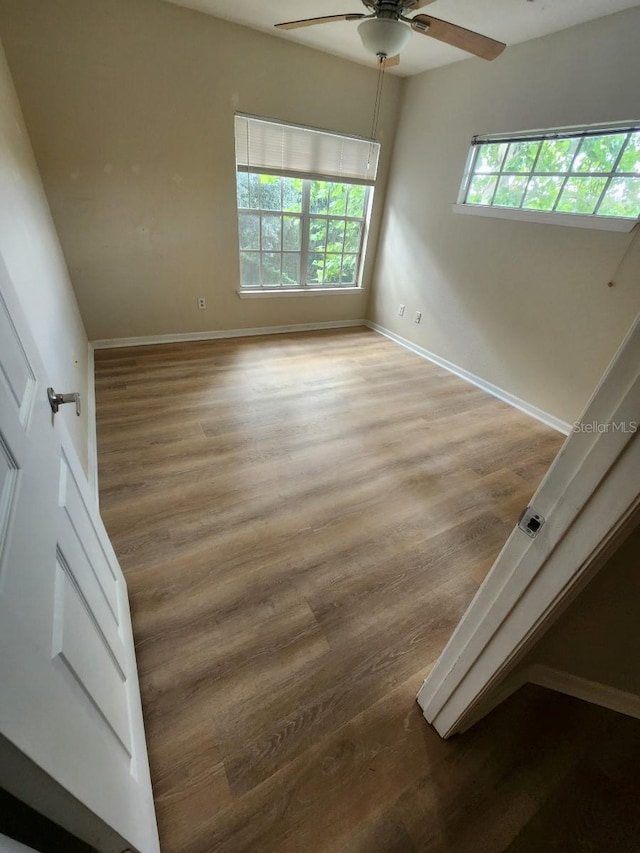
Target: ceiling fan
(386, 29)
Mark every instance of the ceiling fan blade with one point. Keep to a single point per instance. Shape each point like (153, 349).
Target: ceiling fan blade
(479, 45)
(390, 61)
(420, 3)
(327, 19)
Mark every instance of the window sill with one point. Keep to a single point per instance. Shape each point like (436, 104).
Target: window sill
(264, 293)
(574, 220)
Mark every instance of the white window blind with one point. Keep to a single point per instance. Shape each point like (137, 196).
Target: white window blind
(275, 148)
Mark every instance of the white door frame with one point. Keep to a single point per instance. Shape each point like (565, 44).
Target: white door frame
(587, 497)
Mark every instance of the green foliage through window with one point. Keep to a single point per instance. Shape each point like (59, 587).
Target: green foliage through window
(296, 232)
(590, 173)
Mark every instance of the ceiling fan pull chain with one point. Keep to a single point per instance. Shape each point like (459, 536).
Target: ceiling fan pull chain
(376, 107)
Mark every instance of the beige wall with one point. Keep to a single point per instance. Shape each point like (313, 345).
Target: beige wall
(597, 636)
(30, 249)
(129, 104)
(522, 305)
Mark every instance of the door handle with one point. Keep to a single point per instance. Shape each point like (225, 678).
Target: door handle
(56, 400)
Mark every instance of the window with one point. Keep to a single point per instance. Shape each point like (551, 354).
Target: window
(297, 231)
(303, 203)
(590, 172)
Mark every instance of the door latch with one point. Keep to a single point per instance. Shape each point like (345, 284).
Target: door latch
(531, 522)
(57, 400)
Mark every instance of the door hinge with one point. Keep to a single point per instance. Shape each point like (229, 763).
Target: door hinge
(531, 522)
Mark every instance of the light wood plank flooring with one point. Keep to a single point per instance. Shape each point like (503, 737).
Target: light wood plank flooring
(302, 520)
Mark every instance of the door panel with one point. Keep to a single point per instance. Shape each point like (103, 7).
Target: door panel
(82, 647)
(77, 515)
(8, 479)
(69, 695)
(17, 373)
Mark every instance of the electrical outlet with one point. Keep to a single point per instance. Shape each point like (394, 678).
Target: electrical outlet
(418, 316)
(202, 302)
(401, 310)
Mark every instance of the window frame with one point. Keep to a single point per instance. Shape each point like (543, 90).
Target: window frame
(306, 216)
(580, 220)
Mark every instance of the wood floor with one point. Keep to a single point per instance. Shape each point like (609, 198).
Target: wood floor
(302, 520)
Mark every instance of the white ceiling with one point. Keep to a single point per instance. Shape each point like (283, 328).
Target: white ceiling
(510, 21)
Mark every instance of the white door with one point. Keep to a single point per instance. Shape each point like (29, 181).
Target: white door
(69, 697)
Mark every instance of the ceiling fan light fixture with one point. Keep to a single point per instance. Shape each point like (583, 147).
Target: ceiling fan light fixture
(384, 37)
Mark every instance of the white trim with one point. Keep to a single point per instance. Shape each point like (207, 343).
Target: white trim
(522, 596)
(146, 340)
(582, 688)
(92, 439)
(588, 494)
(574, 220)
(555, 132)
(489, 387)
(264, 293)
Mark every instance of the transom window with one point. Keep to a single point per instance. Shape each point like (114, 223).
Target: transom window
(302, 224)
(588, 172)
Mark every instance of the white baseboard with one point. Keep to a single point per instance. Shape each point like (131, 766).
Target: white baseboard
(582, 688)
(562, 682)
(92, 439)
(489, 387)
(146, 340)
